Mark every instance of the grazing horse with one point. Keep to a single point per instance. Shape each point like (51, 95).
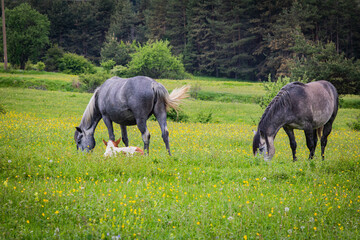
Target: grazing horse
(128, 102)
(112, 148)
(311, 107)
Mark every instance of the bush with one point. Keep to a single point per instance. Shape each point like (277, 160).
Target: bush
(272, 89)
(117, 51)
(40, 66)
(119, 71)
(2, 109)
(108, 65)
(154, 60)
(89, 82)
(52, 58)
(203, 117)
(75, 64)
(355, 125)
(179, 116)
(323, 62)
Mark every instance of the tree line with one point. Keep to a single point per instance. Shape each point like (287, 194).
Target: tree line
(242, 39)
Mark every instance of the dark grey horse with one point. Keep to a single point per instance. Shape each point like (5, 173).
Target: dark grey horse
(310, 107)
(127, 102)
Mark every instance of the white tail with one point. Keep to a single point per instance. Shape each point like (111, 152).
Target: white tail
(173, 100)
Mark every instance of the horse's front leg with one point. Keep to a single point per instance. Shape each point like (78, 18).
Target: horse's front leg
(293, 145)
(124, 135)
(109, 125)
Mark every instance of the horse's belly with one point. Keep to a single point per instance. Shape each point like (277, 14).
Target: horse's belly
(125, 118)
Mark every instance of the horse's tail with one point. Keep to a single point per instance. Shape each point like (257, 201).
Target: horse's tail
(319, 131)
(173, 99)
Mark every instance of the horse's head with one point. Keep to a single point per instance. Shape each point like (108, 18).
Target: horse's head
(263, 146)
(84, 140)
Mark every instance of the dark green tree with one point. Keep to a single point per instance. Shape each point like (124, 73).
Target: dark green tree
(176, 25)
(155, 18)
(122, 25)
(234, 40)
(27, 34)
(203, 37)
(120, 52)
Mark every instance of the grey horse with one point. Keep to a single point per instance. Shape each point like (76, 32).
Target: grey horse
(128, 102)
(311, 107)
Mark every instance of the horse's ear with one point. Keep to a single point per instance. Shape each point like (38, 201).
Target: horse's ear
(117, 142)
(78, 129)
(105, 142)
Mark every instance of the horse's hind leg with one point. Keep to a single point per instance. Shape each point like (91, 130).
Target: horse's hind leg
(326, 132)
(290, 133)
(309, 134)
(141, 124)
(124, 135)
(160, 114)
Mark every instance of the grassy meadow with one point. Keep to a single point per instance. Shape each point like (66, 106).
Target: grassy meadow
(212, 187)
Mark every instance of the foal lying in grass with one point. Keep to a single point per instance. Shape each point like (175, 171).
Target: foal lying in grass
(112, 149)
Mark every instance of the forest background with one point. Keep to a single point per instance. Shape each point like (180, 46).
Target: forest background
(241, 39)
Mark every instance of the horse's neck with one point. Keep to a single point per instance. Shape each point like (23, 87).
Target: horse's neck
(90, 123)
(273, 122)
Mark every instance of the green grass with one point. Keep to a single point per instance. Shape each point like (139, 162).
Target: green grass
(212, 187)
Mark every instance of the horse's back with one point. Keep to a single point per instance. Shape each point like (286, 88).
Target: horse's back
(320, 102)
(124, 100)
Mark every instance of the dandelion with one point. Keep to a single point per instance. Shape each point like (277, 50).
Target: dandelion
(314, 228)
(9, 161)
(270, 215)
(287, 209)
(27, 221)
(264, 178)
(290, 231)
(198, 223)
(230, 218)
(245, 237)
(56, 212)
(115, 180)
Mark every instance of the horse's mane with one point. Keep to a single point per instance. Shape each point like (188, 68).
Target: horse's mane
(89, 111)
(280, 102)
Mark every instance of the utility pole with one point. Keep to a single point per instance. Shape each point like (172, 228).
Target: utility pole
(4, 33)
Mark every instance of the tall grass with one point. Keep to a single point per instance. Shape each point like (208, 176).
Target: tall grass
(212, 186)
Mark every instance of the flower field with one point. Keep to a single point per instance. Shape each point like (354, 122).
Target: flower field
(212, 186)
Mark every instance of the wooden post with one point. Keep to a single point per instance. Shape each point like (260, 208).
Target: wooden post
(4, 33)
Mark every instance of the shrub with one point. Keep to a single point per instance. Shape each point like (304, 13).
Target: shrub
(29, 66)
(89, 82)
(356, 124)
(272, 89)
(119, 71)
(2, 109)
(52, 58)
(179, 116)
(323, 62)
(108, 65)
(40, 66)
(117, 51)
(155, 60)
(203, 117)
(75, 64)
